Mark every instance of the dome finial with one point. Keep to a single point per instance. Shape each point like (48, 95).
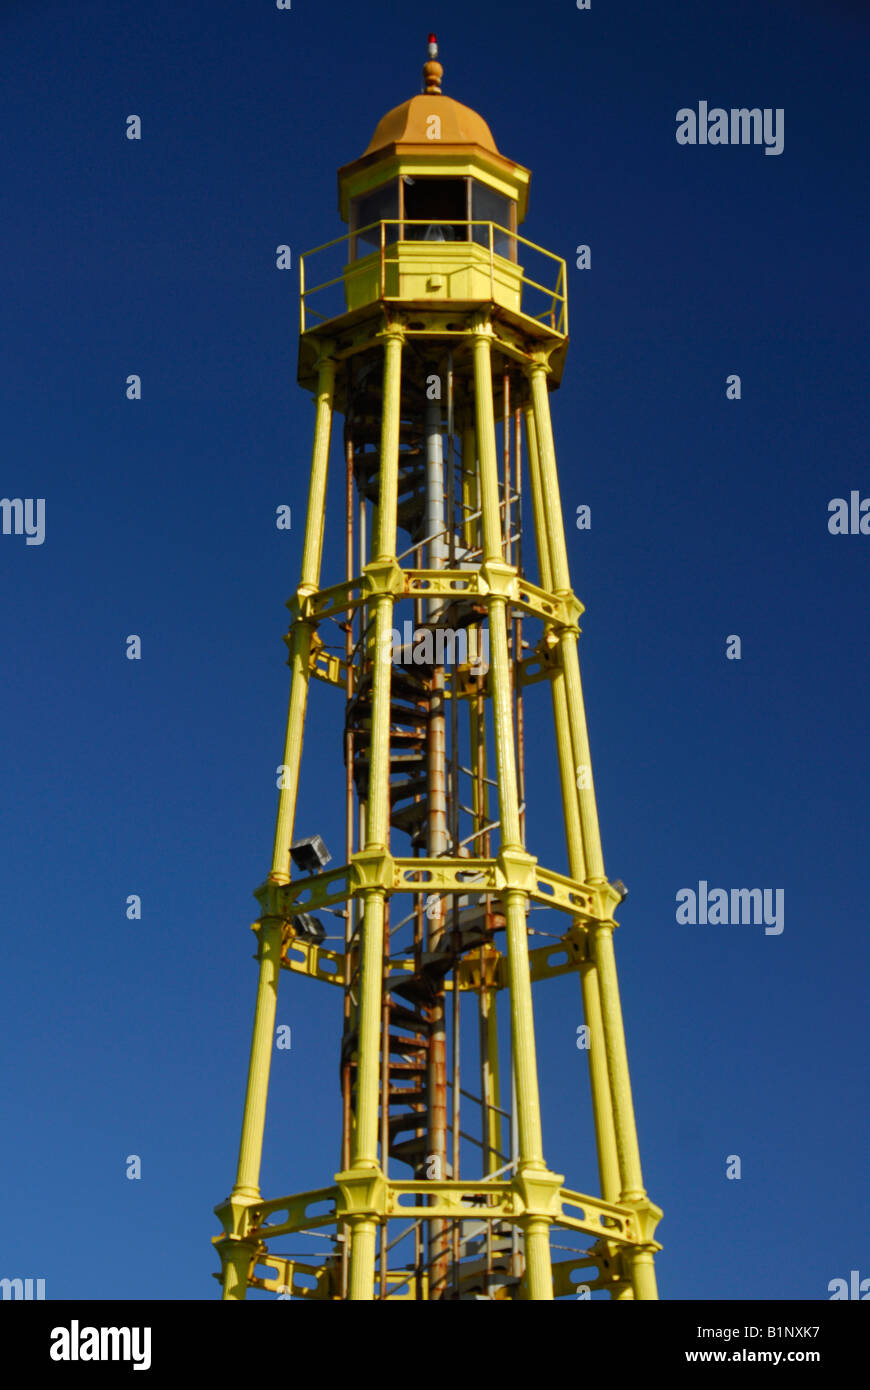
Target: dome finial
(433, 71)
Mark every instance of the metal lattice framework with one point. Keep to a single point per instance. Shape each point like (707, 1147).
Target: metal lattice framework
(448, 646)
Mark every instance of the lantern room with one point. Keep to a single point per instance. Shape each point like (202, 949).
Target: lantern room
(432, 206)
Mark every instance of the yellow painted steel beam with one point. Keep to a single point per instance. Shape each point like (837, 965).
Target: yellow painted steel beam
(302, 632)
(515, 902)
(605, 1133)
(405, 582)
(558, 553)
(621, 1105)
(545, 963)
(364, 1149)
(399, 875)
(564, 1286)
(286, 1278)
(512, 1201)
(235, 1253)
(432, 322)
(316, 961)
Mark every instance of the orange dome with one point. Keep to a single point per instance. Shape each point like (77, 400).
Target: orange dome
(407, 124)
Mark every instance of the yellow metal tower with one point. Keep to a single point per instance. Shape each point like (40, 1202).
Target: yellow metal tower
(437, 332)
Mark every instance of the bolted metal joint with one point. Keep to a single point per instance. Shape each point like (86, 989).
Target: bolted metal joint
(383, 577)
(517, 871)
(372, 869)
(362, 1192)
(538, 1191)
(500, 579)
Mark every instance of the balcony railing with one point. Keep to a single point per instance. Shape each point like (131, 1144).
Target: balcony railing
(402, 267)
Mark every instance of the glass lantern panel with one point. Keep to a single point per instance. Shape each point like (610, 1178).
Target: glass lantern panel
(377, 206)
(489, 206)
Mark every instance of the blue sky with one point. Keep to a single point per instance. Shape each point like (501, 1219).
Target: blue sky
(709, 518)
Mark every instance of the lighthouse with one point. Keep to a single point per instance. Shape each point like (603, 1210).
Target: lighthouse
(432, 334)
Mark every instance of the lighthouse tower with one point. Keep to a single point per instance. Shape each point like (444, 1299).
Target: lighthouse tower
(435, 333)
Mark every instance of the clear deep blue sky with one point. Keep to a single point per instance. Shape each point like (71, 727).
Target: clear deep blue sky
(709, 518)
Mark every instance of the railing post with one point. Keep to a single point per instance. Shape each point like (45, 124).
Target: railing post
(491, 267)
(564, 300)
(383, 245)
(301, 294)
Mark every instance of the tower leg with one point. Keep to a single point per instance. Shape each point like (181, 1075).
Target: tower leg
(568, 637)
(361, 1288)
(640, 1261)
(302, 631)
(628, 1153)
(364, 1153)
(538, 1268)
(246, 1192)
(608, 1162)
(236, 1255)
(253, 1124)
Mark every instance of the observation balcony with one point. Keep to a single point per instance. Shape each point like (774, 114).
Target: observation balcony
(426, 263)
